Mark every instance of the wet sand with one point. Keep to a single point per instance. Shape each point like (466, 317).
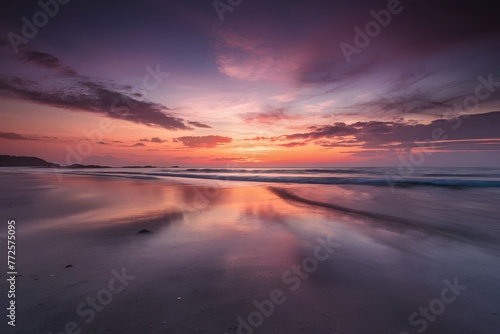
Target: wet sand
(238, 257)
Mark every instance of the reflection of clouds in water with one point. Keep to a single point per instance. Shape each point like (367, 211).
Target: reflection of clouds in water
(390, 219)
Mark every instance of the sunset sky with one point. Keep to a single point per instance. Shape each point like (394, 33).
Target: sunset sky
(271, 84)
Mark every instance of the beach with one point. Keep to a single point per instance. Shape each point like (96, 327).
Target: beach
(121, 251)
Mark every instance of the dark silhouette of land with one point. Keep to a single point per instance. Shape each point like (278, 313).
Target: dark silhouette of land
(15, 161)
(19, 161)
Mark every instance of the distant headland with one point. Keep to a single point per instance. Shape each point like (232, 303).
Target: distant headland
(21, 161)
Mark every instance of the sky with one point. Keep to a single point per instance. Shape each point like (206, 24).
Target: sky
(251, 82)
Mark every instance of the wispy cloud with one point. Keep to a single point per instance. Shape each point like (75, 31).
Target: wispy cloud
(158, 140)
(46, 60)
(268, 117)
(203, 141)
(294, 144)
(242, 159)
(81, 93)
(251, 57)
(199, 125)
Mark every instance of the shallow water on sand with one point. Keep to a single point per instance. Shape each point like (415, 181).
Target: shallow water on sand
(337, 258)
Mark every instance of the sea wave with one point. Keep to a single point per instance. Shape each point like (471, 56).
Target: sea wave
(269, 171)
(380, 181)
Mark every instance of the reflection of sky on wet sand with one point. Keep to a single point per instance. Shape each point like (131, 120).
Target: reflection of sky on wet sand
(226, 249)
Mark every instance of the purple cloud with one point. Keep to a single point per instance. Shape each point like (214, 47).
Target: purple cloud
(203, 141)
(199, 125)
(81, 93)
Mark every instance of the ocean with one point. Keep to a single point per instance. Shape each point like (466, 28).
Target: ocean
(373, 176)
